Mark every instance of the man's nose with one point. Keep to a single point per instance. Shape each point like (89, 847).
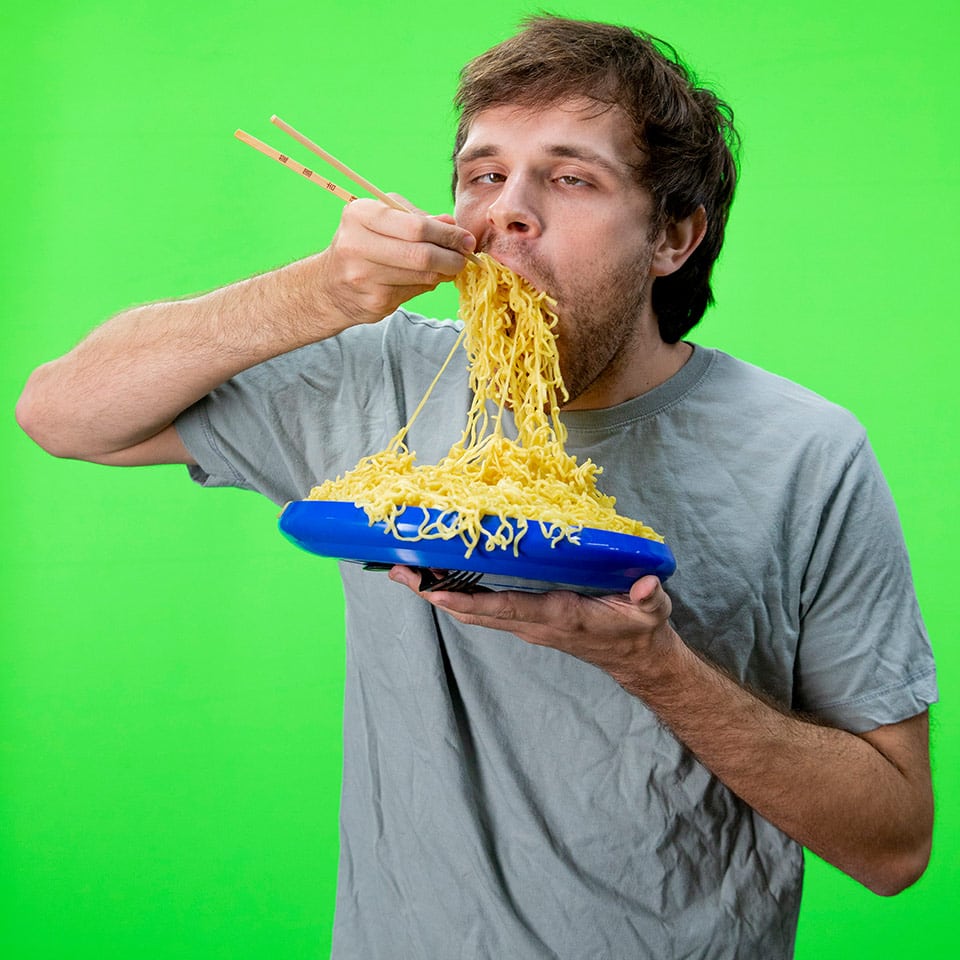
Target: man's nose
(515, 210)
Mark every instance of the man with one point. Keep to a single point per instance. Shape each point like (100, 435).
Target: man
(604, 777)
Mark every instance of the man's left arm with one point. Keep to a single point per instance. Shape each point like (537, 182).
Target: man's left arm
(863, 802)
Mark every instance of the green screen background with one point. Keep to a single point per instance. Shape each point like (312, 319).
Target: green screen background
(170, 668)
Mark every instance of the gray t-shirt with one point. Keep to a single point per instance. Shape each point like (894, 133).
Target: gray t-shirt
(507, 800)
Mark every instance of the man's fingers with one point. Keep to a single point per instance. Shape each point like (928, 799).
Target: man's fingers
(648, 594)
(417, 227)
(466, 242)
(457, 239)
(406, 576)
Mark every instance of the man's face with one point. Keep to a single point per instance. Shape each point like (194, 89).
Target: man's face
(552, 194)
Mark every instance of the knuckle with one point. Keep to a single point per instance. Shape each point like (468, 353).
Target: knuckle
(505, 611)
(354, 276)
(418, 229)
(379, 302)
(418, 258)
(363, 207)
(354, 215)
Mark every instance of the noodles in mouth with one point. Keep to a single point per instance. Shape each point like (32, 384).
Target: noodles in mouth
(509, 338)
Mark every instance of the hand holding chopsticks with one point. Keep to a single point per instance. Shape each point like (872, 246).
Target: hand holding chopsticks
(334, 162)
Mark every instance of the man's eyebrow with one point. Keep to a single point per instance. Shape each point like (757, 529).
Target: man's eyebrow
(477, 153)
(618, 168)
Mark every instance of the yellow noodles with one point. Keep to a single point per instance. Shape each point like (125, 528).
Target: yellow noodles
(511, 348)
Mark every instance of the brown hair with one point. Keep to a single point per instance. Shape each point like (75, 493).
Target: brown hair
(684, 131)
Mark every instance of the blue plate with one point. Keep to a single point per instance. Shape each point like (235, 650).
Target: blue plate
(602, 562)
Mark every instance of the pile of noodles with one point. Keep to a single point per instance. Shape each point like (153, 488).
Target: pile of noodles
(513, 361)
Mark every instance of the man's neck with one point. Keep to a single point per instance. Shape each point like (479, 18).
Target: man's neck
(634, 372)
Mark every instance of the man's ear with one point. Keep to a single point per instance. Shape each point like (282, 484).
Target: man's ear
(677, 241)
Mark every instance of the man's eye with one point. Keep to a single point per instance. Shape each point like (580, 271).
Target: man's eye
(569, 180)
(489, 178)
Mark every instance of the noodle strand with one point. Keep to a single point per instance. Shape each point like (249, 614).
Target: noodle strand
(509, 339)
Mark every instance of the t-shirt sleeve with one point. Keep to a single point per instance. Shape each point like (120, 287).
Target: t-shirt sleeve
(235, 434)
(213, 467)
(864, 658)
(286, 424)
(306, 416)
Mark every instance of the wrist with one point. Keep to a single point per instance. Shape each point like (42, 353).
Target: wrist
(275, 312)
(309, 311)
(662, 661)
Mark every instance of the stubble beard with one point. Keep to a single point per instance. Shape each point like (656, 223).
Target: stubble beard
(599, 316)
(599, 322)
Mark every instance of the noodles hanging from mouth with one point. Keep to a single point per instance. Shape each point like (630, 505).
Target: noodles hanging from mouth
(509, 338)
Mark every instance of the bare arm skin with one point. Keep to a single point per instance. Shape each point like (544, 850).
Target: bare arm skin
(114, 397)
(862, 802)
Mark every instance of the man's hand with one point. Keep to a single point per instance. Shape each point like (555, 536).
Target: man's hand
(114, 397)
(621, 634)
(862, 802)
(380, 257)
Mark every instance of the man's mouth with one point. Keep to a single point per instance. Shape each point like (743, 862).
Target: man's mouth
(522, 265)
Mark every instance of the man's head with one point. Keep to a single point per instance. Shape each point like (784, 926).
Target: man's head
(684, 134)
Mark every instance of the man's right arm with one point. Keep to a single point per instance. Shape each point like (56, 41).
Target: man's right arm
(114, 397)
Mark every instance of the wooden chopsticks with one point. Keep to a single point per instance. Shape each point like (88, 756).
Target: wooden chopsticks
(342, 167)
(311, 175)
(314, 177)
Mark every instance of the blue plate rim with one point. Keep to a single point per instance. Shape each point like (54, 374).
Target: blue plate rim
(602, 560)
